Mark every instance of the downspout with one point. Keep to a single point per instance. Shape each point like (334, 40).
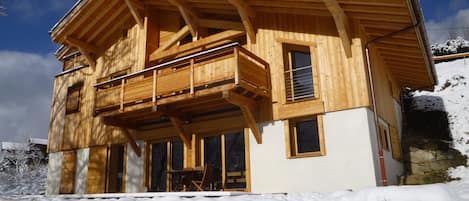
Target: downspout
(373, 95)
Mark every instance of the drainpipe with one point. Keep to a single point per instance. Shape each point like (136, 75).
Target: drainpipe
(372, 91)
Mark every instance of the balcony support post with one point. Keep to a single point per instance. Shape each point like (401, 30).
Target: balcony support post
(186, 138)
(153, 98)
(192, 90)
(122, 95)
(248, 108)
(236, 64)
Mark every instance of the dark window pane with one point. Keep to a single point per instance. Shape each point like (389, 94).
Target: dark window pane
(212, 156)
(177, 155)
(300, 59)
(158, 167)
(116, 169)
(235, 164)
(307, 136)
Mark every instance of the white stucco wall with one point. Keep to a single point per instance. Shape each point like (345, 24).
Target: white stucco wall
(54, 170)
(134, 170)
(83, 157)
(348, 163)
(394, 169)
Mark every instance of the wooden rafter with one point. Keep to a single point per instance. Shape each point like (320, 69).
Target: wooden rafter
(342, 24)
(248, 108)
(85, 49)
(246, 13)
(173, 40)
(177, 123)
(189, 15)
(83, 45)
(133, 7)
(221, 24)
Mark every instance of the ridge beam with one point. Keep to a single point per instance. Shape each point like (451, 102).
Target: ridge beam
(342, 24)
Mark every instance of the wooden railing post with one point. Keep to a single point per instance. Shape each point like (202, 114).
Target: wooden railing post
(153, 98)
(236, 64)
(122, 95)
(192, 90)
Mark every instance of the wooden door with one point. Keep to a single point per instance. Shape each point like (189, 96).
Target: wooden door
(96, 180)
(67, 179)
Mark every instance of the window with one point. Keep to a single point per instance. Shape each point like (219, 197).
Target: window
(304, 137)
(384, 135)
(73, 98)
(298, 72)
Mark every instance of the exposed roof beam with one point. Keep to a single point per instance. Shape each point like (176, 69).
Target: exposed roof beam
(246, 13)
(221, 24)
(84, 48)
(248, 108)
(109, 19)
(189, 15)
(342, 24)
(134, 11)
(81, 44)
(173, 40)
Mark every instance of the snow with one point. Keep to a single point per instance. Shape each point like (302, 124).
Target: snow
(458, 45)
(450, 95)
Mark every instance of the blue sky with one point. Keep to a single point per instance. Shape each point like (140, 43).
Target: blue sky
(28, 66)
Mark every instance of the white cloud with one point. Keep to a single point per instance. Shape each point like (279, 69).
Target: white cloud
(438, 31)
(26, 83)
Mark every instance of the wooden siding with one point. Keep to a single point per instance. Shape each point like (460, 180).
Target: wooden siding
(67, 179)
(342, 80)
(96, 179)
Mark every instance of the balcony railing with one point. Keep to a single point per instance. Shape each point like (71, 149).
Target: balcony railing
(226, 67)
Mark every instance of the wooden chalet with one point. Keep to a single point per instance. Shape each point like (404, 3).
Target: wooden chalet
(233, 95)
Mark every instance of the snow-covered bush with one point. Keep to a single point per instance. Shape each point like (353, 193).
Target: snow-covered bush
(454, 46)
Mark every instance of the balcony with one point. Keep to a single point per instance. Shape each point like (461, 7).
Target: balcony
(224, 78)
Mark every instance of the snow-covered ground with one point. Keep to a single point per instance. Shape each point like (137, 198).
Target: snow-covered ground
(451, 95)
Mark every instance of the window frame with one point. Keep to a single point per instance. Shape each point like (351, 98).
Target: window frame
(384, 135)
(288, 45)
(291, 143)
(70, 90)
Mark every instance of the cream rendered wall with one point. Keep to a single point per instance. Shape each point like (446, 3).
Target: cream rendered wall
(83, 158)
(348, 163)
(134, 170)
(394, 168)
(54, 171)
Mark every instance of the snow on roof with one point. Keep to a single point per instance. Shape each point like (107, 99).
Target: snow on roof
(37, 141)
(15, 146)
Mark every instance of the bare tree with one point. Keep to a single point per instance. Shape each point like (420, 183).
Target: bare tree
(453, 34)
(465, 32)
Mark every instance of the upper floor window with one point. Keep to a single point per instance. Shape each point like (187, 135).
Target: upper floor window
(73, 98)
(298, 72)
(304, 137)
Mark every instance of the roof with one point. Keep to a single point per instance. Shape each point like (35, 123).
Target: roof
(407, 55)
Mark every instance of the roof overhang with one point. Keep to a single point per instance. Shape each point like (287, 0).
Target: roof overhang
(89, 25)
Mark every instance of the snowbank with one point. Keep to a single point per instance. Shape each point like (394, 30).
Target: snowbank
(453, 90)
(456, 191)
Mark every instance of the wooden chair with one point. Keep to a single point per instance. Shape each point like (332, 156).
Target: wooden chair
(207, 178)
